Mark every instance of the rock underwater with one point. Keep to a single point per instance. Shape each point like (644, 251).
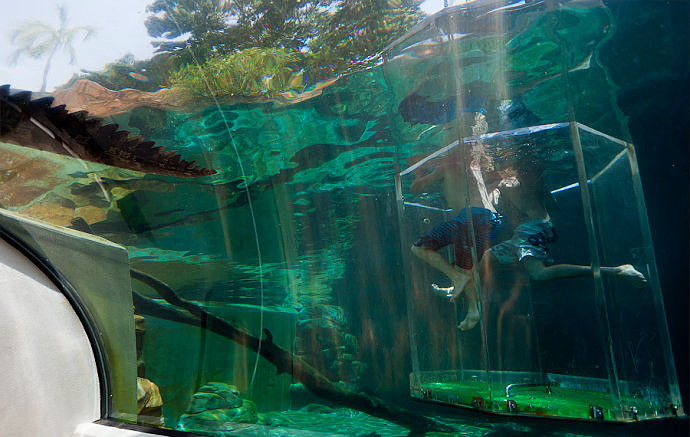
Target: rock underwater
(216, 405)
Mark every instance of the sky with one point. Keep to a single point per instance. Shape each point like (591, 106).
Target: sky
(119, 28)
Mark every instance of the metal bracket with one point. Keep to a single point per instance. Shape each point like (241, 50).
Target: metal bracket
(509, 386)
(596, 412)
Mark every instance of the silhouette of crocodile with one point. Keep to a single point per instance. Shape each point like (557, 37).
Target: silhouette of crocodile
(39, 125)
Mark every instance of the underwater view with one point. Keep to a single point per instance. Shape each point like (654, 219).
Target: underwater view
(366, 217)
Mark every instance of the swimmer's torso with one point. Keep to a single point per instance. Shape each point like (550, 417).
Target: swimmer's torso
(453, 183)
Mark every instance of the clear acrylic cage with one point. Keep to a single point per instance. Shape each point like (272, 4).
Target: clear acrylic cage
(595, 347)
(592, 347)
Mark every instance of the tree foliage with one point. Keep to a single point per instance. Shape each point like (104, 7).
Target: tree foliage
(37, 39)
(341, 33)
(359, 29)
(128, 72)
(290, 24)
(260, 47)
(190, 29)
(250, 73)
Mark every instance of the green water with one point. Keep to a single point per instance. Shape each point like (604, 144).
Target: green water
(299, 233)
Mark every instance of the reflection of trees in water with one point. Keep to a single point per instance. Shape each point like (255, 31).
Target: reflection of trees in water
(334, 31)
(319, 38)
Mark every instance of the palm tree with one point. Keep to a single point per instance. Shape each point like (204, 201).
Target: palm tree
(36, 39)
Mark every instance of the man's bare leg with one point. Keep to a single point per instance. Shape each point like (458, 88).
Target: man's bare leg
(539, 272)
(459, 277)
(461, 283)
(472, 316)
(627, 273)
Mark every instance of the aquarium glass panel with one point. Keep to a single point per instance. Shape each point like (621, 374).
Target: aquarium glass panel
(639, 339)
(514, 361)
(298, 189)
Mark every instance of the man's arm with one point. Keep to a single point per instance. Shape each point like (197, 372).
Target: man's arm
(423, 181)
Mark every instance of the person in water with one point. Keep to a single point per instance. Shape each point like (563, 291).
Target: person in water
(522, 201)
(485, 222)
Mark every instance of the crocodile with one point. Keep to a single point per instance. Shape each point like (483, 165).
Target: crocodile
(36, 123)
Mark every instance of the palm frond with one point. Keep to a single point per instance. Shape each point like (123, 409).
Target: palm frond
(40, 49)
(30, 31)
(36, 39)
(14, 57)
(69, 34)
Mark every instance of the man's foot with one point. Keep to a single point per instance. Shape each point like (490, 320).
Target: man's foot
(628, 273)
(446, 292)
(459, 283)
(470, 321)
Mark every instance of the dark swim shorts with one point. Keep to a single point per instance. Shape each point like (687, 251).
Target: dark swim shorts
(529, 239)
(457, 232)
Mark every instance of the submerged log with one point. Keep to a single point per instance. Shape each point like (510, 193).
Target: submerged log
(283, 360)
